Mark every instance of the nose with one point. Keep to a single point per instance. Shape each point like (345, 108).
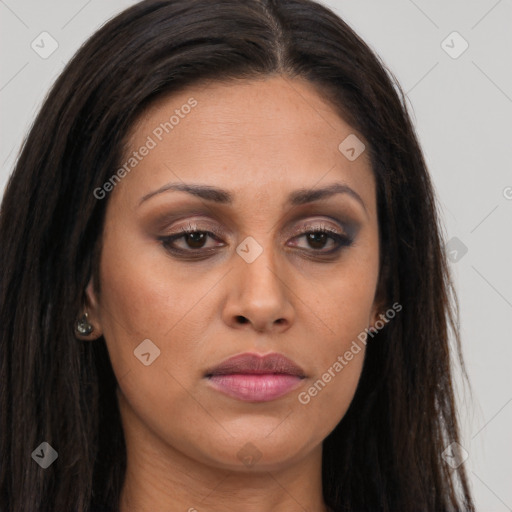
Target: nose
(259, 294)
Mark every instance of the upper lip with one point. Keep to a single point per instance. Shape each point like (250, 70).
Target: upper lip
(257, 364)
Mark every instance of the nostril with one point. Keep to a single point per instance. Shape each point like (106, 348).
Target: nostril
(242, 319)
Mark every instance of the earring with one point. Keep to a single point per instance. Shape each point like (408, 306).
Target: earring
(83, 326)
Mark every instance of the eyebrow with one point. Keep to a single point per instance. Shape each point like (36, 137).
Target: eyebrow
(221, 196)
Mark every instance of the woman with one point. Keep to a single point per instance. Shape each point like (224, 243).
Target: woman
(223, 280)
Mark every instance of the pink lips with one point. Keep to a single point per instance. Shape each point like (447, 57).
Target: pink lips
(255, 378)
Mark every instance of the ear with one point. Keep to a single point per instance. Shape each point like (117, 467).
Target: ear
(381, 299)
(91, 307)
(379, 307)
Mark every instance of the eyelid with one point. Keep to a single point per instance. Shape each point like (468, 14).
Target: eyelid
(312, 225)
(193, 226)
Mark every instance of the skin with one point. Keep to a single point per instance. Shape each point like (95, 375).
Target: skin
(260, 140)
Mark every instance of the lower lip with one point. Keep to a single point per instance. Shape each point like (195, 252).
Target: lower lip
(255, 387)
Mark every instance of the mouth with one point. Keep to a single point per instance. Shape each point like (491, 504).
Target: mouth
(253, 378)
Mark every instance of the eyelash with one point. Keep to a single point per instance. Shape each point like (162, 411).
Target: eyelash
(341, 240)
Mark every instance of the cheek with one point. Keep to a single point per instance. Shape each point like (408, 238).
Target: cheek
(330, 392)
(142, 297)
(146, 298)
(338, 357)
(343, 302)
(344, 308)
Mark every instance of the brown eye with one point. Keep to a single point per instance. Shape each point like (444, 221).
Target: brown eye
(193, 240)
(318, 238)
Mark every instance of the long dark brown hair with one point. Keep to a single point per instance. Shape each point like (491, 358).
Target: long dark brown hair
(386, 453)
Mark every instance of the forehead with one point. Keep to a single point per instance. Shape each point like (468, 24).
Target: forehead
(256, 137)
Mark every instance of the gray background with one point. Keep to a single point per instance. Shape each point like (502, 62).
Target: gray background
(462, 110)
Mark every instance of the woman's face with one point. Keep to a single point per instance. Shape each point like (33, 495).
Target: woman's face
(254, 280)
